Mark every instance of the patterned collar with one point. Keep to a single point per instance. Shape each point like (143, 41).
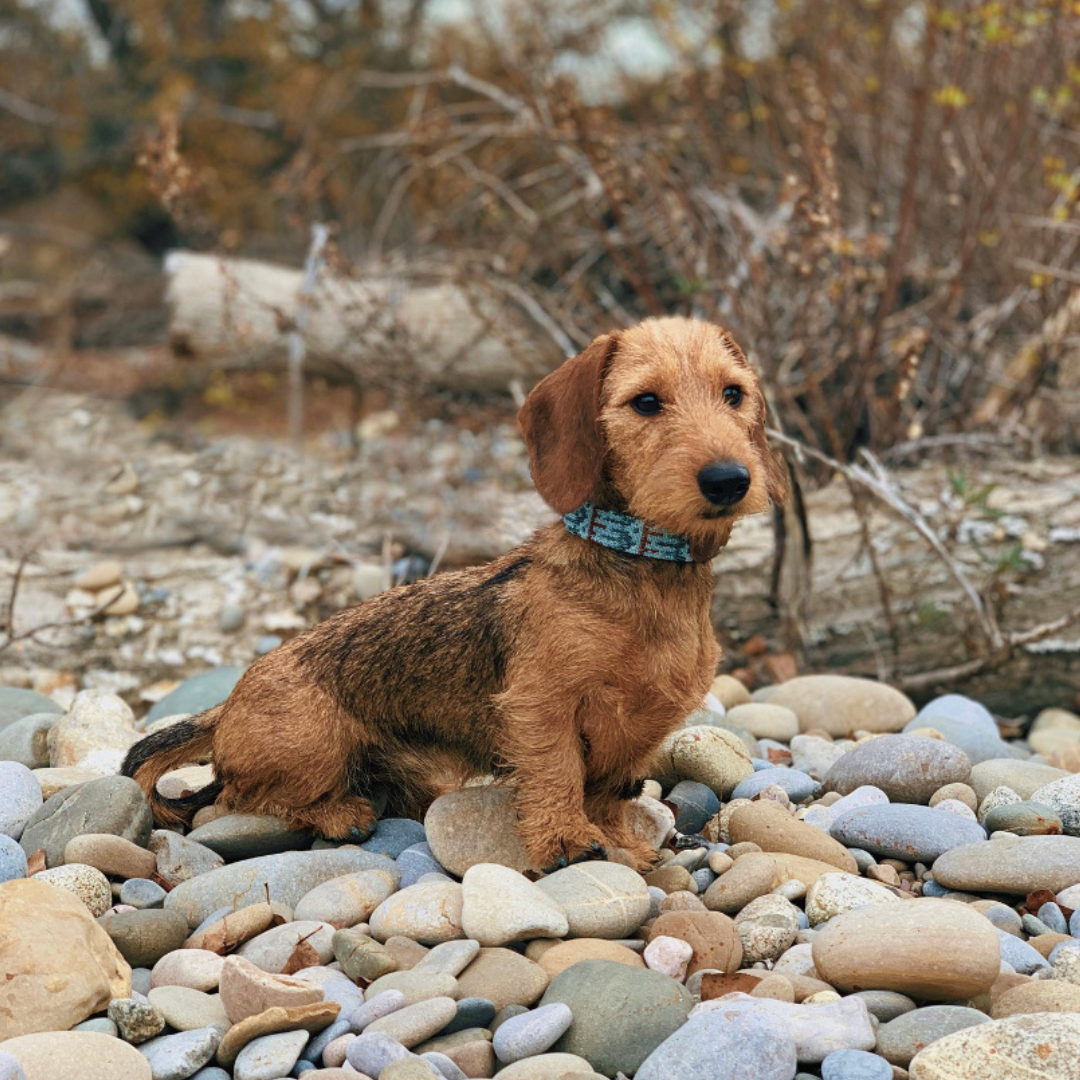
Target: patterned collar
(630, 535)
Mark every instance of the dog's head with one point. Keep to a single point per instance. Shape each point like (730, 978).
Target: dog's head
(667, 418)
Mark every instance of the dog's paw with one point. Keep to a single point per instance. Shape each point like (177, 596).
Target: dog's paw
(571, 852)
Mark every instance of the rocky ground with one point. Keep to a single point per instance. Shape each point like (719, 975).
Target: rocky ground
(870, 893)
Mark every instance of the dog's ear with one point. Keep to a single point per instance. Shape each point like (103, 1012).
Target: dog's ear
(776, 470)
(560, 422)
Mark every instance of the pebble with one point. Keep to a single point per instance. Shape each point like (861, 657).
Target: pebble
(178, 858)
(96, 734)
(111, 855)
(20, 798)
(416, 1023)
(89, 885)
(798, 785)
(247, 990)
(966, 724)
(1024, 818)
(1016, 865)
(817, 1030)
(599, 899)
(499, 906)
(270, 1056)
(416, 985)
(836, 894)
(620, 1014)
(141, 893)
(392, 836)
(109, 804)
(416, 861)
(198, 969)
(773, 828)
(306, 942)
(842, 705)
(27, 740)
(548, 1067)
(1063, 798)
(65, 968)
(999, 797)
(475, 825)
(765, 721)
(1041, 1045)
(696, 805)
(562, 955)
(448, 958)
(144, 937)
(17, 703)
(136, 1021)
(767, 927)
(503, 977)
(428, 912)
(938, 950)
(277, 1019)
(75, 1055)
(708, 755)
(188, 1010)
(361, 957)
(347, 900)
(902, 1038)
(668, 955)
(905, 831)
(247, 836)
(1019, 955)
(285, 878)
(855, 1065)
(196, 694)
(1023, 777)
(371, 1053)
(815, 755)
(752, 876)
(908, 768)
(531, 1033)
(885, 1005)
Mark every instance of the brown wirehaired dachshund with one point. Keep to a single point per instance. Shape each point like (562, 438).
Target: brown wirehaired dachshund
(561, 665)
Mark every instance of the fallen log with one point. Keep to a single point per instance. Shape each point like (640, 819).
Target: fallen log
(376, 329)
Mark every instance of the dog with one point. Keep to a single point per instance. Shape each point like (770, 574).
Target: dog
(559, 667)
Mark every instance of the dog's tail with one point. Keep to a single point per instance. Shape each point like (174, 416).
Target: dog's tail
(162, 751)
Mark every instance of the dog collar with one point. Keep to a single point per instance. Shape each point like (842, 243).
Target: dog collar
(628, 534)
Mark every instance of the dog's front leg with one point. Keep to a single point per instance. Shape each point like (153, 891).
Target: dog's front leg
(546, 759)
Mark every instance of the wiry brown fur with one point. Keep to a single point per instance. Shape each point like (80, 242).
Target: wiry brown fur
(562, 665)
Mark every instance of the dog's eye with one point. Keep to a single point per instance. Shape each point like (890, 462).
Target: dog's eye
(733, 396)
(646, 404)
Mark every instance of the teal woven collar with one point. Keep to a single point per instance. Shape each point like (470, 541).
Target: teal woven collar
(630, 535)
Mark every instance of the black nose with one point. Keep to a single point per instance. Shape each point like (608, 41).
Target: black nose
(724, 483)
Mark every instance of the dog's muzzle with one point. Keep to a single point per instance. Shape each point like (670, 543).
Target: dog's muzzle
(724, 483)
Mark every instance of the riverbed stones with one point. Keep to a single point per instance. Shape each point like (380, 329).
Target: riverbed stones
(144, 937)
(901, 1039)
(1017, 865)
(270, 1056)
(13, 862)
(247, 836)
(195, 695)
(347, 900)
(1063, 797)
(1023, 777)
(60, 966)
(136, 1020)
(816, 1029)
(1023, 818)
(285, 878)
(905, 831)
(842, 705)
(620, 1014)
(767, 927)
(475, 825)
(773, 828)
(89, 885)
(310, 1018)
(937, 950)
(599, 899)
(428, 912)
(564, 954)
(27, 740)
(836, 894)
(1043, 1045)
(752, 876)
(713, 937)
(112, 855)
(77, 1055)
(416, 1023)
(499, 906)
(765, 721)
(300, 941)
(908, 768)
(110, 804)
(246, 990)
(185, 1009)
(502, 977)
(20, 798)
(1037, 996)
(95, 734)
(709, 755)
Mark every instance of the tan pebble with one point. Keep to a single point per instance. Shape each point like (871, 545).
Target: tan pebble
(247, 990)
(672, 879)
(1044, 943)
(682, 901)
(884, 873)
(127, 603)
(234, 929)
(822, 997)
(962, 792)
(198, 969)
(753, 875)
(771, 828)
(333, 1055)
(720, 862)
(405, 951)
(314, 1017)
(1037, 996)
(713, 937)
(747, 847)
(775, 987)
(54, 780)
(100, 576)
(730, 692)
(112, 855)
(563, 954)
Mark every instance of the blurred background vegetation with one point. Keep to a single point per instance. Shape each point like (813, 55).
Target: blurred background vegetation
(880, 197)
